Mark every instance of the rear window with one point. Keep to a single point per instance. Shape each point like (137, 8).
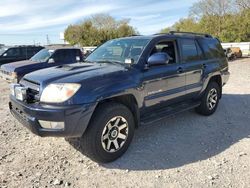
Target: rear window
(212, 48)
(65, 56)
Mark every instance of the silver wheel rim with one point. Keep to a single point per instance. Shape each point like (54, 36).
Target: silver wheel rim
(114, 134)
(212, 99)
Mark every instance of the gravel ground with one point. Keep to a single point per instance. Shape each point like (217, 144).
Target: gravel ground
(186, 150)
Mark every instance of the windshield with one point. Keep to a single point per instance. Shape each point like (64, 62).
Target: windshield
(42, 55)
(2, 50)
(119, 50)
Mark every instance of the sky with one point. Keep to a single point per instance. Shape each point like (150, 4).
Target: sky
(31, 21)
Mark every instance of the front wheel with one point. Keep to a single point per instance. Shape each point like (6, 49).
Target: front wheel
(209, 100)
(109, 133)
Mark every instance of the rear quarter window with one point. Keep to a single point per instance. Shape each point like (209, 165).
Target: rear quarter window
(212, 48)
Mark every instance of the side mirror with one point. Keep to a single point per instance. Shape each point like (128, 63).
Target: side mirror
(78, 59)
(51, 60)
(159, 58)
(5, 54)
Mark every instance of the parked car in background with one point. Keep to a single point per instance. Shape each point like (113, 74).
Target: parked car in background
(229, 54)
(124, 83)
(236, 51)
(49, 57)
(17, 53)
(233, 53)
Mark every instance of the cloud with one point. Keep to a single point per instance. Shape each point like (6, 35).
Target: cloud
(151, 26)
(36, 18)
(25, 7)
(146, 17)
(37, 21)
(28, 16)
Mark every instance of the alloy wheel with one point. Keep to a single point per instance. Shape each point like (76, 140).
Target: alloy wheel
(115, 134)
(212, 99)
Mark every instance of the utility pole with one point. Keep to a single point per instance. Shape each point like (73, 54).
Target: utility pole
(48, 41)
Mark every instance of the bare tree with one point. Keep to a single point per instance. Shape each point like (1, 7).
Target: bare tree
(211, 7)
(215, 12)
(245, 4)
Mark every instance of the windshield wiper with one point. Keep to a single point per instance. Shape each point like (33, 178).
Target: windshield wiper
(87, 61)
(112, 62)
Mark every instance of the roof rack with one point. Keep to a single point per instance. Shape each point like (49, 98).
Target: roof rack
(26, 45)
(191, 33)
(135, 35)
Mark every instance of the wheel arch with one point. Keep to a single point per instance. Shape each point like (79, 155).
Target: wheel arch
(212, 78)
(128, 100)
(218, 80)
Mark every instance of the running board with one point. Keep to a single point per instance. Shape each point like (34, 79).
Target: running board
(162, 113)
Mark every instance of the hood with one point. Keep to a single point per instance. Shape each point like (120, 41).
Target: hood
(11, 67)
(73, 72)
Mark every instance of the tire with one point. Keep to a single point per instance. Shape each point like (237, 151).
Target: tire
(208, 106)
(104, 135)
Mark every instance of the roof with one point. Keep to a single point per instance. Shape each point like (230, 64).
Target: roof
(60, 47)
(172, 34)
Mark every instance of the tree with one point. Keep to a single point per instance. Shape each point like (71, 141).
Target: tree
(166, 30)
(211, 8)
(244, 4)
(72, 34)
(98, 29)
(229, 20)
(188, 25)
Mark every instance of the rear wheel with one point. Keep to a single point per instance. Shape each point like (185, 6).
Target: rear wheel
(109, 133)
(209, 100)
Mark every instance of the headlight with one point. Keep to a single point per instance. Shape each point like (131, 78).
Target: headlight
(57, 93)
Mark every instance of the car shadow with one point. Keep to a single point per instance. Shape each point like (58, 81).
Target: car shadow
(187, 137)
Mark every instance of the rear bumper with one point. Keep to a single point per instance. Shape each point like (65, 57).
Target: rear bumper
(75, 117)
(225, 77)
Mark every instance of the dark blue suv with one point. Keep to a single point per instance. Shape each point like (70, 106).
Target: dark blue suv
(123, 84)
(49, 57)
(17, 53)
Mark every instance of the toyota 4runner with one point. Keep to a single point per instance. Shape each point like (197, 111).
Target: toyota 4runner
(123, 84)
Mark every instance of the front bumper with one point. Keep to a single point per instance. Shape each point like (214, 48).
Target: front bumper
(75, 117)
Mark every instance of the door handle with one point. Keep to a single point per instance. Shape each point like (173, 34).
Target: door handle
(180, 70)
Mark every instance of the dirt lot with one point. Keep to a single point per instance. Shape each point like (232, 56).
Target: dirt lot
(186, 150)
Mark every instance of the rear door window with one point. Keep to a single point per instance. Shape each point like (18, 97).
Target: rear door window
(32, 51)
(190, 50)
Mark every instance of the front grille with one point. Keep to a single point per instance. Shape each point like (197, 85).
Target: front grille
(32, 96)
(33, 89)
